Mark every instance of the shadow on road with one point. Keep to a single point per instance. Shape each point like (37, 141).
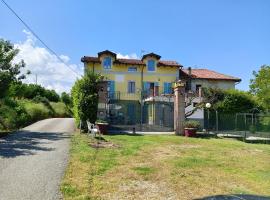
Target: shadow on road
(24, 143)
(235, 197)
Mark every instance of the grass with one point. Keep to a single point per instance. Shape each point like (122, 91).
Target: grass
(165, 167)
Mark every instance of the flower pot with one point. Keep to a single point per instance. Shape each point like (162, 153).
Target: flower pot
(102, 127)
(190, 132)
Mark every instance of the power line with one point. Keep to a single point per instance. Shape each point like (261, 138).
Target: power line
(33, 32)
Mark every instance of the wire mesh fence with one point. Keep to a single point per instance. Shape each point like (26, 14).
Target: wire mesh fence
(246, 125)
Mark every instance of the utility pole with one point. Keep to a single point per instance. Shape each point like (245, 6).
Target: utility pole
(142, 93)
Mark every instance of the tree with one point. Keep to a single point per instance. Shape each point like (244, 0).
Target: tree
(230, 101)
(30, 91)
(9, 72)
(260, 85)
(66, 99)
(85, 98)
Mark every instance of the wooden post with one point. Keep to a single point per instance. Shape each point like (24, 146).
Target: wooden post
(179, 107)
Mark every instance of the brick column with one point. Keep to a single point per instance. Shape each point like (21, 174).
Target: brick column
(179, 107)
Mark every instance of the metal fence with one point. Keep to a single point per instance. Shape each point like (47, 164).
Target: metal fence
(246, 125)
(124, 111)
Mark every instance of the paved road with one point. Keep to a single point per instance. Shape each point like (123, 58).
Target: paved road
(32, 161)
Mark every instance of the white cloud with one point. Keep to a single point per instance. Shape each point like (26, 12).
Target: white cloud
(51, 73)
(128, 56)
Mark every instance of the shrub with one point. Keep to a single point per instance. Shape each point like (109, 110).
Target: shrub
(85, 98)
(231, 101)
(60, 109)
(192, 124)
(37, 111)
(13, 115)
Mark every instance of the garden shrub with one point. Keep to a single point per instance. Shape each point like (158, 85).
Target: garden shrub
(85, 98)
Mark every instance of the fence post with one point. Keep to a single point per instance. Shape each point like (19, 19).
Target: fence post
(216, 120)
(245, 135)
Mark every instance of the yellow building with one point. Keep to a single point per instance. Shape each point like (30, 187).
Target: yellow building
(130, 76)
(134, 80)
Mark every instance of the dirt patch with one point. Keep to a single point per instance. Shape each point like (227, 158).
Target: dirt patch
(140, 189)
(185, 146)
(103, 144)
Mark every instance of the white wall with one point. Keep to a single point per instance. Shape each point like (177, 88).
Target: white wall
(207, 83)
(212, 83)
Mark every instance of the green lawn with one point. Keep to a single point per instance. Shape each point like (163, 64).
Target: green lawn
(165, 167)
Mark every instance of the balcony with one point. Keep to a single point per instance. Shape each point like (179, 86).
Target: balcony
(105, 97)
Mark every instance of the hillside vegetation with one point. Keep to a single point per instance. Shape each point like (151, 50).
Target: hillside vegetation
(22, 112)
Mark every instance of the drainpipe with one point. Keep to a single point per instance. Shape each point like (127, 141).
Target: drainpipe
(142, 91)
(189, 78)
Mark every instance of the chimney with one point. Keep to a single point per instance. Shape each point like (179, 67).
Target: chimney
(189, 78)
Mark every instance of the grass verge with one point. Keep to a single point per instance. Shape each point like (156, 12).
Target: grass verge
(165, 167)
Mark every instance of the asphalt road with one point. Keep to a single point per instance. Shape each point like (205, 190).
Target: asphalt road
(33, 160)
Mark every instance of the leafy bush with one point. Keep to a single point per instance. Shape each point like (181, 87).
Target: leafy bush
(13, 115)
(231, 101)
(66, 99)
(31, 91)
(37, 111)
(85, 98)
(192, 124)
(60, 109)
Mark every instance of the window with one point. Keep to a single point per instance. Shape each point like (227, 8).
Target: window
(167, 88)
(131, 87)
(198, 88)
(107, 62)
(132, 69)
(151, 65)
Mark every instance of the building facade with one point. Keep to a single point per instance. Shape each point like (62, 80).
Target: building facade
(138, 92)
(130, 82)
(199, 78)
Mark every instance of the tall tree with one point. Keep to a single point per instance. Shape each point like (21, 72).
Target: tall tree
(9, 71)
(260, 85)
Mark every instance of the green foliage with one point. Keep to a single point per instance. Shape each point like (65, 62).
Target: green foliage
(85, 97)
(260, 85)
(13, 115)
(60, 109)
(192, 124)
(66, 99)
(231, 101)
(101, 121)
(37, 111)
(19, 113)
(9, 72)
(30, 91)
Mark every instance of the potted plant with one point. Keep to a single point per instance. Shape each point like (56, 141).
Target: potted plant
(190, 128)
(102, 126)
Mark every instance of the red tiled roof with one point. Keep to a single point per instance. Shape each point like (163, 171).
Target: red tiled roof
(90, 59)
(132, 61)
(209, 74)
(129, 61)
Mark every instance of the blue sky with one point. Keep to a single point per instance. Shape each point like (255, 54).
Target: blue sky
(228, 36)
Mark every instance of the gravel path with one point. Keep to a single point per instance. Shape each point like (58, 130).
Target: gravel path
(33, 160)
